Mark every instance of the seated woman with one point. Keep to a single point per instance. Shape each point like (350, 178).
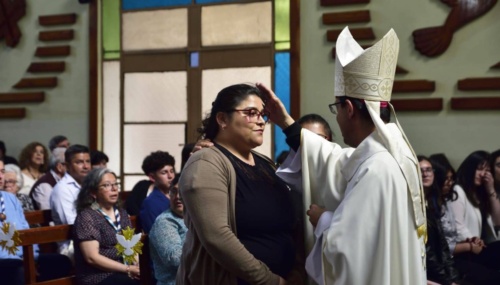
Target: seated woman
(166, 239)
(99, 219)
(34, 161)
(440, 264)
(239, 213)
(13, 182)
(477, 209)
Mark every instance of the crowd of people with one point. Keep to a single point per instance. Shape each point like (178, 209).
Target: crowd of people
(371, 213)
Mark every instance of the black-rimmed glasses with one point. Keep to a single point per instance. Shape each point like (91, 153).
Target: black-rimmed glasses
(333, 107)
(109, 186)
(254, 114)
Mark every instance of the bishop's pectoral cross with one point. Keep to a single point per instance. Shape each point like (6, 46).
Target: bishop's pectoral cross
(11, 11)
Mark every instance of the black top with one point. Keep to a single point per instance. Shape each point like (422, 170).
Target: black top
(292, 133)
(137, 196)
(264, 214)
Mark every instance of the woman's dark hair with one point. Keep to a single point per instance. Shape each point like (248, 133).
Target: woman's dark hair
(446, 167)
(385, 112)
(227, 99)
(27, 154)
(434, 196)
(466, 174)
(315, 118)
(90, 185)
(443, 161)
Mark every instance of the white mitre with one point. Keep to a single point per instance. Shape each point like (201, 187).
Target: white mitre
(369, 75)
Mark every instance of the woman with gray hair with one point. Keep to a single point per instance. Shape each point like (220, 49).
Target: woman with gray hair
(99, 218)
(14, 182)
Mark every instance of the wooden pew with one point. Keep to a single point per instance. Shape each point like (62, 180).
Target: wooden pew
(41, 217)
(53, 234)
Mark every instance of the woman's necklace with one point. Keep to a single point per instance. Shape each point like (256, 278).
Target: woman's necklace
(32, 175)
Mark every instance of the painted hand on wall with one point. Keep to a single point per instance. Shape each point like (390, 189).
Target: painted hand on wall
(434, 41)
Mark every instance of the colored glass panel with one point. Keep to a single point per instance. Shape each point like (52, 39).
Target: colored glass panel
(282, 90)
(282, 24)
(214, 1)
(145, 4)
(195, 59)
(111, 29)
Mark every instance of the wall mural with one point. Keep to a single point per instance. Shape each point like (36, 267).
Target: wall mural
(434, 41)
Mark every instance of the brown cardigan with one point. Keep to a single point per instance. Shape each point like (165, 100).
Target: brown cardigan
(212, 254)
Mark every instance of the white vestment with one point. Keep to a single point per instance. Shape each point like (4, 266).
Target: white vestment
(369, 235)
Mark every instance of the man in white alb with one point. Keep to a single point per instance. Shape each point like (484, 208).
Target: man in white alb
(373, 229)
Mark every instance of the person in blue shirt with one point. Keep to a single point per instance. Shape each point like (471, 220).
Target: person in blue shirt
(159, 166)
(50, 266)
(167, 238)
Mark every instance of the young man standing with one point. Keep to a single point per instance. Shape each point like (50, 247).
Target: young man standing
(159, 166)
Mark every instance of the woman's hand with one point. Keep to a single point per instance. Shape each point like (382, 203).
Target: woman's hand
(489, 183)
(134, 272)
(475, 248)
(201, 144)
(315, 213)
(275, 107)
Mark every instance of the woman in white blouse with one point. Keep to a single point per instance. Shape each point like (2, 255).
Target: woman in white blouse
(477, 208)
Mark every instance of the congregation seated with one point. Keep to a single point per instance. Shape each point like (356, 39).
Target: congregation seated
(12, 271)
(65, 193)
(42, 189)
(33, 161)
(159, 166)
(100, 217)
(166, 239)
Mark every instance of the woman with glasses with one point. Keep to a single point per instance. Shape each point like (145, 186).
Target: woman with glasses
(100, 217)
(238, 213)
(13, 183)
(167, 237)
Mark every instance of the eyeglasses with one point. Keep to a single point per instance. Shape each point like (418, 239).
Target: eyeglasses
(108, 186)
(449, 179)
(427, 170)
(10, 181)
(254, 114)
(333, 107)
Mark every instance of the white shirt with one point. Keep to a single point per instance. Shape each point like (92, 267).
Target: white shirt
(62, 204)
(467, 217)
(28, 182)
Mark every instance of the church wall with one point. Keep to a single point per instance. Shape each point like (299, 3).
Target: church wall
(473, 50)
(65, 109)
